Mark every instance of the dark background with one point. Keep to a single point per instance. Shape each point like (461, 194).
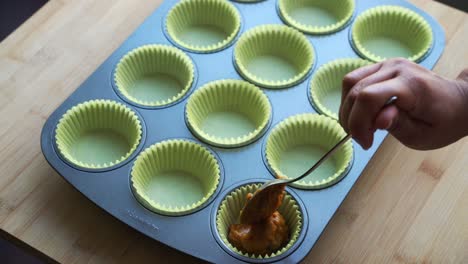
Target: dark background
(12, 14)
(460, 4)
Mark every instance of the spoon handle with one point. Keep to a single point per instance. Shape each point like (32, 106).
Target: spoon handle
(332, 150)
(323, 158)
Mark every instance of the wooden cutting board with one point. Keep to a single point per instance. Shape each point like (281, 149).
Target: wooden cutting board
(407, 207)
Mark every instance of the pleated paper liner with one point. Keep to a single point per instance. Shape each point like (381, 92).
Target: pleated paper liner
(274, 56)
(229, 211)
(386, 32)
(297, 142)
(316, 16)
(154, 75)
(98, 134)
(326, 84)
(175, 177)
(228, 113)
(248, 1)
(203, 25)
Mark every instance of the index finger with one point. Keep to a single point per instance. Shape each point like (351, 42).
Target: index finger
(355, 76)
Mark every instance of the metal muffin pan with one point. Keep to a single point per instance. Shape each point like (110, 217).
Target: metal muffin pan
(194, 233)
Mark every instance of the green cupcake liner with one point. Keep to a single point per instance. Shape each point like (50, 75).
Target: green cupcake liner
(248, 1)
(98, 134)
(175, 177)
(296, 143)
(203, 25)
(386, 32)
(274, 56)
(326, 85)
(229, 211)
(154, 75)
(317, 16)
(228, 113)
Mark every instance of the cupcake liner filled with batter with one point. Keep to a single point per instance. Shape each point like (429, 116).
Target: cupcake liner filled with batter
(316, 16)
(203, 25)
(274, 56)
(175, 177)
(228, 113)
(228, 214)
(299, 141)
(154, 75)
(326, 86)
(98, 134)
(387, 32)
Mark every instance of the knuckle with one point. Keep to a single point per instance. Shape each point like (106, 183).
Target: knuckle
(361, 84)
(365, 96)
(416, 80)
(464, 73)
(349, 80)
(396, 63)
(399, 61)
(399, 71)
(353, 94)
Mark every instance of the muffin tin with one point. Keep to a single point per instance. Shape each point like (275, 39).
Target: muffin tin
(248, 89)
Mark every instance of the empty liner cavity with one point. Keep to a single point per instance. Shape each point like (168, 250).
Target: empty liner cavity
(274, 56)
(203, 25)
(229, 211)
(154, 75)
(297, 142)
(316, 16)
(98, 134)
(387, 32)
(228, 113)
(175, 177)
(248, 1)
(326, 85)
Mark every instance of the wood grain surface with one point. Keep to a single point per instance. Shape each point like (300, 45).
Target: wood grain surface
(407, 207)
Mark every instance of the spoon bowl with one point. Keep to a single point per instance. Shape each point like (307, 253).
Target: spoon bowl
(265, 193)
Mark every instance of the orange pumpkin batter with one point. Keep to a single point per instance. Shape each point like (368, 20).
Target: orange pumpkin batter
(263, 205)
(262, 229)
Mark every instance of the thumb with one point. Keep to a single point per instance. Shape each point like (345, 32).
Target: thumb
(387, 118)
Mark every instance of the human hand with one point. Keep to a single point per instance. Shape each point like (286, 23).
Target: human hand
(430, 111)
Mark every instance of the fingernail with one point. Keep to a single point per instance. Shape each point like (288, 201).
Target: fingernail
(389, 125)
(366, 143)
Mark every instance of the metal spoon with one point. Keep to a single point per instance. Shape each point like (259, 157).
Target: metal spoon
(258, 208)
(261, 196)
(309, 171)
